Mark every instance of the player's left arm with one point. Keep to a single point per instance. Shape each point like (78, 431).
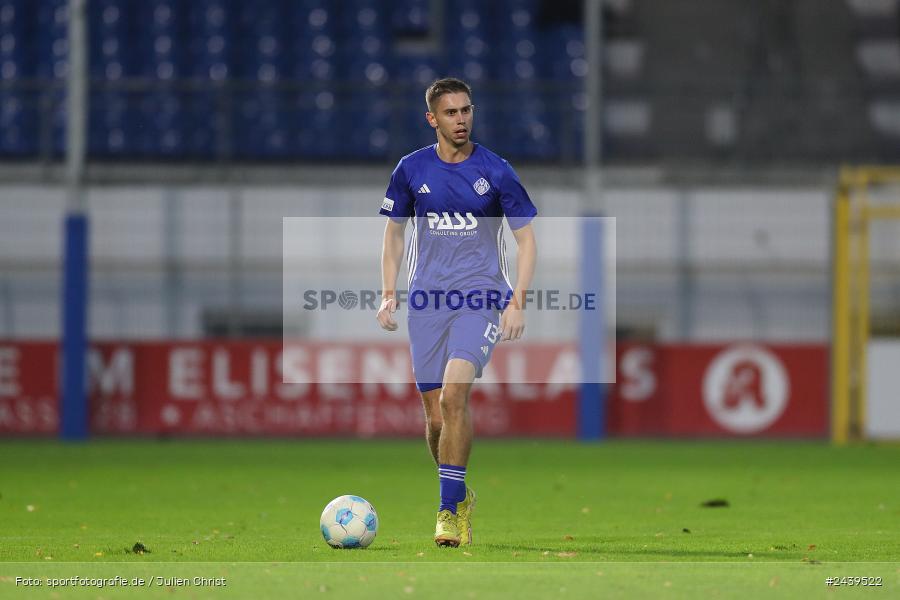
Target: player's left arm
(512, 321)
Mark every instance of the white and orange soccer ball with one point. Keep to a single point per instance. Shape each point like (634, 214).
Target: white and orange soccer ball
(349, 522)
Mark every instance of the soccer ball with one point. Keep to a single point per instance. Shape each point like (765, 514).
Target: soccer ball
(349, 522)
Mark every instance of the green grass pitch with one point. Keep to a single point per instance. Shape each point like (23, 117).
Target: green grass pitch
(554, 519)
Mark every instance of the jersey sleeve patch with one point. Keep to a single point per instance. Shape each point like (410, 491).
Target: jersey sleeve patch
(388, 204)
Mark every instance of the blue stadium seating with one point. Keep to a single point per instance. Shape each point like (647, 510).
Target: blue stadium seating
(568, 62)
(18, 124)
(14, 37)
(312, 49)
(263, 33)
(259, 125)
(161, 124)
(282, 79)
(490, 122)
(316, 134)
(259, 118)
(210, 28)
(160, 52)
(515, 51)
(52, 45)
(161, 57)
(367, 133)
(51, 63)
(18, 114)
(468, 17)
(56, 102)
(110, 125)
(203, 112)
(363, 16)
(411, 17)
(417, 70)
(111, 51)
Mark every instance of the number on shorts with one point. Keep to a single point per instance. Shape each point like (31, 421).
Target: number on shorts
(491, 332)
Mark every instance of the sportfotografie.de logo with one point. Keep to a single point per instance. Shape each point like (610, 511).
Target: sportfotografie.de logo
(366, 299)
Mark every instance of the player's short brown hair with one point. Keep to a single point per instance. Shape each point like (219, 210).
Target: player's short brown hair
(447, 85)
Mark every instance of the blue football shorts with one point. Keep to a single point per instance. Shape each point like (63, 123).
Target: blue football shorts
(436, 338)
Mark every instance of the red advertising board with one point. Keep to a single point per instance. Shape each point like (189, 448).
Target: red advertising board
(237, 389)
(748, 389)
(28, 388)
(740, 389)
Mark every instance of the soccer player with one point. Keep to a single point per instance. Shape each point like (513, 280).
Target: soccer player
(461, 302)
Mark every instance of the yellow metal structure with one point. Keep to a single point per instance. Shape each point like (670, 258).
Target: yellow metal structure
(853, 215)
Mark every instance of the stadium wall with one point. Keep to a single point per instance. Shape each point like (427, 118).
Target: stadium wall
(694, 263)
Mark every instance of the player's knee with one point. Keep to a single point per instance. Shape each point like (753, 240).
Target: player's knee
(453, 400)
(434, 423)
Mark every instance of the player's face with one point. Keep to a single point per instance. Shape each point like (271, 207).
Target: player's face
(452, 118)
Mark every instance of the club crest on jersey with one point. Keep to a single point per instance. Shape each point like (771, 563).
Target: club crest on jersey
(481, 186)
(444, 221)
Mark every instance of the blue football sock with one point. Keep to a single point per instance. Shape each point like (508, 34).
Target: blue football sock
(453, 486)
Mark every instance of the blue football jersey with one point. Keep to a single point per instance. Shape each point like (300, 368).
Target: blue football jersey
(458, 208)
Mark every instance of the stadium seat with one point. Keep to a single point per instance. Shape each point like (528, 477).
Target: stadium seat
(162, 56)
(52, 39)
(311, 17)
(312, 42)
(469, 54)
(205, 124)
(315, 70)
(210, 25)
(369, 72)
(262, 33)
(514, 51)
(111, 25)
(364, 44)
(564, 53)
(162, 40)
(18, 124)
(58, 119)
(367, 135)
(490, 126)
(210, 29)
(475, 71)
(259, 130)
(317, 116)
(161, 124)
(13, 41)
(515, 21)
(573, 105)
(411, 131)
(111, 124)
(417, 70)
(468, 17)
(359, 17)
(411, 16)
(363, 49)
(530, 134)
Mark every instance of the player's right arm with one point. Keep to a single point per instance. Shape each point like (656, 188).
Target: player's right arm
(398, 207)
(391, 258)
